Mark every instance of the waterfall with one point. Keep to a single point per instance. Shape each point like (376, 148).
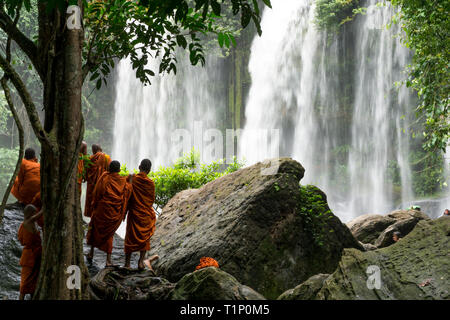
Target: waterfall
(334, 104)
(379, 135)
(146, 117)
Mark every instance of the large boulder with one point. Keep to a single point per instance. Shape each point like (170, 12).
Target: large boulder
(416, 267)
(307, 290)
(368, 227)
(264, 229)
(377, 230)
(212, 284)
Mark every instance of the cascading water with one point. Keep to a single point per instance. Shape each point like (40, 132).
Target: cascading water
(344, 121)
(379, 135)
(146, 117)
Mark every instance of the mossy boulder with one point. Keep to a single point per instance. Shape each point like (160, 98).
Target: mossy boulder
(212, 284)
(266, 230)
(307, 290)
(416, 267)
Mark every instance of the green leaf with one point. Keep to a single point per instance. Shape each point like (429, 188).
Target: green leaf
(181, 40)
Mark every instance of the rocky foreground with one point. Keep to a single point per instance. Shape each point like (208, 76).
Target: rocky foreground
(276, 239)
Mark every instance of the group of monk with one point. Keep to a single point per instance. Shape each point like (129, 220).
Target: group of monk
(110, 198)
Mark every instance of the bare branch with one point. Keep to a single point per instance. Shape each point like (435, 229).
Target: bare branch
(7, 92)
(30, 107)
(4, 84)
(27, 46)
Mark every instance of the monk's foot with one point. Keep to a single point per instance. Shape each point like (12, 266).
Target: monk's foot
(141, 266)
(148, 265)
(153, 258)
(89, 257)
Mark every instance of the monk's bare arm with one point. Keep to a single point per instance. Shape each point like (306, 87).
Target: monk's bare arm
(29, 223)
(36, 216)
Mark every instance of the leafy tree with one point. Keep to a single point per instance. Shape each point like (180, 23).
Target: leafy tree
(426, 26)
(64, 53)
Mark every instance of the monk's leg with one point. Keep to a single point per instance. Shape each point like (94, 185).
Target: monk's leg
(127, 260)
(21, 296)
(141, 265)
(90, 255)
(108, 260)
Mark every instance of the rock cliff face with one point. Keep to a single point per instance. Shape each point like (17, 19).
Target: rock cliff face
(416, 267)
(267, 231)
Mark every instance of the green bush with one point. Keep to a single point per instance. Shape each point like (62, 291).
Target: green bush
(186, 173)
(331, 14)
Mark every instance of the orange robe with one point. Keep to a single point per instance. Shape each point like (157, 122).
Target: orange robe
(30, 261)
(38, 204)
(28, 181)
(207, 262)
(100, 163)
(141, 216)
(80, 173)
(110, 199)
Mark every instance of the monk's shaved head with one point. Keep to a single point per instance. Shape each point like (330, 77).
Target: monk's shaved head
(29, 211)
(146, 165)
(114, 166)
(96, 148)
(83, 147)
(30, 154)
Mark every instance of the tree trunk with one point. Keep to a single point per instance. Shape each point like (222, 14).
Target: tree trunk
(63, 233)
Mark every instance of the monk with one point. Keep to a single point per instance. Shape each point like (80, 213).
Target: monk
(109, 203)
(99, 164)
(81, 174)
(30, 261)
(28, 181)
(141, 216)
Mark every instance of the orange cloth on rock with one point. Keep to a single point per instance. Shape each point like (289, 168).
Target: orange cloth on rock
(141, 216)
(110, 199)
(100, 164)
(30, 260)
(207, 262)
(28, 181)
(38, 204)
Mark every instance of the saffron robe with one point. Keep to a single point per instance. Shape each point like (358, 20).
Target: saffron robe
(141, 218)
(207, 262)
(28, 181)
(100, 164)
(38, 204)
(80, 173)
(109, 201)
(30, 261)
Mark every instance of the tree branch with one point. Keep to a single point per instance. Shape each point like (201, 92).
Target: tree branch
(27, 46)
(4, 84)
(26, 99)
(7, 92)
